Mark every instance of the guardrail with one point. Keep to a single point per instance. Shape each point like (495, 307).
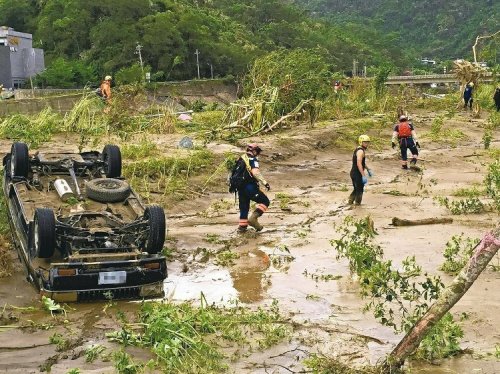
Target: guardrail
(427, 79)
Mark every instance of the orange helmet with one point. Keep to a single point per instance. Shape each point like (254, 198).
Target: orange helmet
(254, 147)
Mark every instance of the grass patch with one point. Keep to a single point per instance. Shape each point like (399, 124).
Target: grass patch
(327, 365)
(473, 191)
(347, 135)
(139, 151)
(6, 264)
(167, 175)
(470, 205)
(33, 130)
(443, 134)
(186, 339)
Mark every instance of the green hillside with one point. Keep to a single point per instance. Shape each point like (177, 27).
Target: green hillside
(96, 37)
(437, 29)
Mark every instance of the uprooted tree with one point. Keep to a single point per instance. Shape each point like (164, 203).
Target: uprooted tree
(283, 86)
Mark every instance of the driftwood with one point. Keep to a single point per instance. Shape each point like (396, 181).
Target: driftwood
(426, 221)
(483, 254)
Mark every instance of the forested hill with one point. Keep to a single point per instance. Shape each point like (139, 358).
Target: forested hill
(101, 36)
(437, 29)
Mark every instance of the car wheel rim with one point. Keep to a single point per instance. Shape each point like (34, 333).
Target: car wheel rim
(36, 241)
(13, 165)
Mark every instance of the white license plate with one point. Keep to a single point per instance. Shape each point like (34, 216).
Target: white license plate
(112, 277)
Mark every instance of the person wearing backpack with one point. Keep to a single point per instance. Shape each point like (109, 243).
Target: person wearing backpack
(246, 179)
(404, 133)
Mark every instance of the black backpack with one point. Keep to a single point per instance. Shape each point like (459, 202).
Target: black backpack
(239, 176)
(98, 92)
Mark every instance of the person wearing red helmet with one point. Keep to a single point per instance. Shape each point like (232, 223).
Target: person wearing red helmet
(405, 135)
(250, 190)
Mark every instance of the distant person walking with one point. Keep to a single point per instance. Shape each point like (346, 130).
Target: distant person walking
(106, 87)
(469, 88)
(358, 174)
(404, 134)
(496, 98)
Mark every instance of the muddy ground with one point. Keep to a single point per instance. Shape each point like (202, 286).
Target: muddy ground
(291, 260)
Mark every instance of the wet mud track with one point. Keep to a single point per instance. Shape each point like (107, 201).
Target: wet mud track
(293, 262)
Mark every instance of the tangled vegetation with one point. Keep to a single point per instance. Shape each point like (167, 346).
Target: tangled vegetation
(457, 253)
(186, 339)
(398, 297)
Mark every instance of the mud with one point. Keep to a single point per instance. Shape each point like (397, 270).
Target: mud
(292, 261)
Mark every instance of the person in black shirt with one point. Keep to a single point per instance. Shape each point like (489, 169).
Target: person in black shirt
(358, 175)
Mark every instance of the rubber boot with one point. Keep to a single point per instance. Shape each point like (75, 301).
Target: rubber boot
(242, 229)
(254, 222)
(413, 161)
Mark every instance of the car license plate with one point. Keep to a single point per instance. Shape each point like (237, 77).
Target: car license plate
(112, 277)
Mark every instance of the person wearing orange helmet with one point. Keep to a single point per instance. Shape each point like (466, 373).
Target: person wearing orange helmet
(249, 189)
(359, 170)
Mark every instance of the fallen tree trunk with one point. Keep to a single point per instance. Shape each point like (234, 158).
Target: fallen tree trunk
(426, 221)
(450, 296)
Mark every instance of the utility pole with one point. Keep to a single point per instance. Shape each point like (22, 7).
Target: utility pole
(197, 53)
(354, 68)
(138, 48)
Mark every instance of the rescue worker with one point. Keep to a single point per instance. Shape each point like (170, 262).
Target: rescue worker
(106, 87)
(251, 191)
(496, 98)
(358, 175)
(404, 133)
(337, 87)
(468, 95)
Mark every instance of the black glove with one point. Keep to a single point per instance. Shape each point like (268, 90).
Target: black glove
(268, 187)
(417, 144)
(393, 145)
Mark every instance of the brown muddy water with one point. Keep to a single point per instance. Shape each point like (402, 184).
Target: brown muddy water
(292, 261)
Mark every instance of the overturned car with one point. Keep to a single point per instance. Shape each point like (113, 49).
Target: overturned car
(80, 229)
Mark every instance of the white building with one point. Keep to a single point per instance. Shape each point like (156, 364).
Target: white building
(18, 59)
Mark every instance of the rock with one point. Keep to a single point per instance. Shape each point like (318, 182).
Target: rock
(186, 142)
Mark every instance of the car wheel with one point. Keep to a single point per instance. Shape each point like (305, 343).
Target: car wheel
(44, 240)
(19, 160)
(157, 229)
(107, 190)
(112, 158)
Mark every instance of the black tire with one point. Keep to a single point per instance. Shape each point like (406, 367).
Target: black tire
(19, 160)
(112, 157)
(157, 229)
(44, 230)
(107, 190)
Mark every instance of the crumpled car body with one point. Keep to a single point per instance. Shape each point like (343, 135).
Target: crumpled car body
(80, 229)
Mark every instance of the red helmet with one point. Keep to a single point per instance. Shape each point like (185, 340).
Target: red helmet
(254, 147)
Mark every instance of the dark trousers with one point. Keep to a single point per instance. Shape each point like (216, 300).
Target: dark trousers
(468, 100)
(407, 144)
(251, 192)
(357, 183)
